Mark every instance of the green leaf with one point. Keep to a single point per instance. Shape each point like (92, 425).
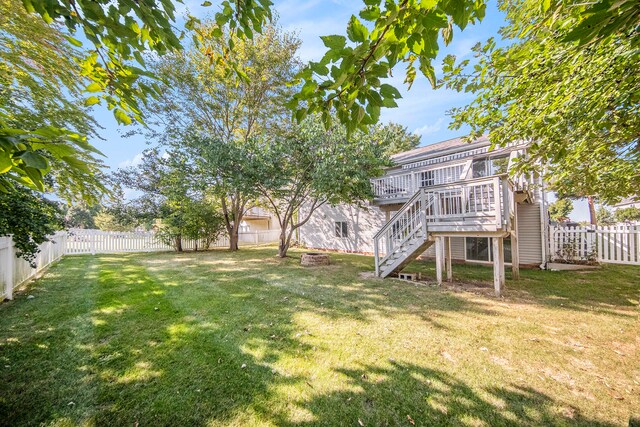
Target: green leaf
(5, 162)
(356, 31)
(122, 117)
(334, 42)
(34, 160)
(92, 100)
(94, 87)
(388, 91)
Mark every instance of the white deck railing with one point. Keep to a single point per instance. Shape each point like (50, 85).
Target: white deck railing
(403, 186)
(483, 204)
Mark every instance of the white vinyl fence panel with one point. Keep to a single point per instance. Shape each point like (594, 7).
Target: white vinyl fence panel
(14, 271)
(108, 242)
(615, 244)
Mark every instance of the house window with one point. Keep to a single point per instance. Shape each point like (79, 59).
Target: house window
(427, 179)
(480, 168)
(341, 229)
(489, 166)
(480, 249)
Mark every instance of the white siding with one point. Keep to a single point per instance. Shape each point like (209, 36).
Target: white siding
(457, 249)
(529, 233)
(362, 224)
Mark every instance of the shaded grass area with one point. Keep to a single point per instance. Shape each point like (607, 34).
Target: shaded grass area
(244, 338)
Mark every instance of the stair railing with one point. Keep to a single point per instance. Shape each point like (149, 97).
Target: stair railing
(402, 227)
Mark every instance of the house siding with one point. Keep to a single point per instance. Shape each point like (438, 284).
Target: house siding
(530, 233)
(362, 225)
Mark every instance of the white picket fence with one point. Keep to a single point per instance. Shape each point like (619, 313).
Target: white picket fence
(14, 272)
(615, 244)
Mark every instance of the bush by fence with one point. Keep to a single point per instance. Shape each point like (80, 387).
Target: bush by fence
(615, 244)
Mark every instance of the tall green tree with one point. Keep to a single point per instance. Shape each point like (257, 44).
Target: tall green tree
(217, 116)
(167, 192)
(560, 209)
(395, 137)
(309, 167)
(29, 219)
(604, 216)
(629, 214)
(568, 85)
(44, 123)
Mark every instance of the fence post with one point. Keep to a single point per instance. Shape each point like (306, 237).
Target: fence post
(10, 266)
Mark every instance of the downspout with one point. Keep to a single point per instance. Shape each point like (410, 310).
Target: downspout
(544, 223)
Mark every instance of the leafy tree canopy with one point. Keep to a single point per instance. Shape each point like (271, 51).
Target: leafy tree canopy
(567, 86)
(629, 214)
(29, 218)
(309, 166)
(560, 209)
(605, 216)
(44, 124)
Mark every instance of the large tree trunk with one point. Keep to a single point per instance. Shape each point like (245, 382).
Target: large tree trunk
(592, 210)
(233, 238)
(285, 241)
(283, 245)
(178, 243)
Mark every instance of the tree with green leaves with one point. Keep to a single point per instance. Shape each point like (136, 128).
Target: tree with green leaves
(630, 214)
(170, 193)
(395, 137)
(560, 209)
(604, 216)
(81, 215)
(218, 117)
(349, 77)
(44, 124)
(29, 219)
(309, 167)
(568, 85)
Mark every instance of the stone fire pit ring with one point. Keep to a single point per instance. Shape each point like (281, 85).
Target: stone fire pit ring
(311, 259)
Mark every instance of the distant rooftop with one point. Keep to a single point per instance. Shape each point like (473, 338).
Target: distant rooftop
(436, 148)
(628, 201)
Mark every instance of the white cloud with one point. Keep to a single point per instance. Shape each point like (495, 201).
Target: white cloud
(135, 161)
(432, 128)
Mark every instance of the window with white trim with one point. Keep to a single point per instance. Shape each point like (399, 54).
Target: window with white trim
(342, 230)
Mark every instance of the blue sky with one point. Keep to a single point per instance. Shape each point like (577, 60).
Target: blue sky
(422, 110)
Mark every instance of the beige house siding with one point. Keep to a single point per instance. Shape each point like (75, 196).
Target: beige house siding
(457, 249)
(363, 224)
(530, 233)
(319, 232)
(260, 224)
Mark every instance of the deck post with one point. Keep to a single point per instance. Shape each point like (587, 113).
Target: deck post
(447, 249)
(515, 247)
(439, 260)
(498, 264)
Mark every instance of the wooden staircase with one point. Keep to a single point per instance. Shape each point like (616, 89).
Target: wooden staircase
(484, 205)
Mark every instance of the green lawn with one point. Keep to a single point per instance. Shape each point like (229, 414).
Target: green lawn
(244, 338)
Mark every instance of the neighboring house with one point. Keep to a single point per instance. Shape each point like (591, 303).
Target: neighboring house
(630, 202)
(450, 198)
(258, 219)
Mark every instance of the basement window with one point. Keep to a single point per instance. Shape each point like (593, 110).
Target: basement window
(341, 229)
(480, 249)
